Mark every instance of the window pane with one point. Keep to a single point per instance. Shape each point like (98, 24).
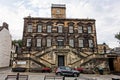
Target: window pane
(28, 42)
(90, 43)
(89, 29)
(38, 42)
(71, 42)
(48, 42)
(60, 29)
(39, 28)
(80, 29)
(80, 43)
(49, 28)
(70, 29)
(29, 28)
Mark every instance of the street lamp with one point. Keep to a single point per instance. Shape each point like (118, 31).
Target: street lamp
(104, 48)
(29, 49)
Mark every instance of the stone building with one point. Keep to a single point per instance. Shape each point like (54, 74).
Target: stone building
(5, 45)
(103, 48)
(58, 41)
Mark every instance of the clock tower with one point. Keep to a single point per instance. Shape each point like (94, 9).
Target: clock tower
(58, 11)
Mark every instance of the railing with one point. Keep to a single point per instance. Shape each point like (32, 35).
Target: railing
(52, 77)
(17, 77)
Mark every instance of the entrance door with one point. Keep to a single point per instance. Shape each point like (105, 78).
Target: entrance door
(111, 64)
(61, 60)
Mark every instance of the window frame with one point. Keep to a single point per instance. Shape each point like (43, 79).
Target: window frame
(49, 42)
(71, 26)
(38, 28)
(39, 43)
(29, 28)
(89, 29)
(81, 42)
(60, 28)
(71, 44)
(49, 28)
(80, 30)
(90, 42)
(28, 42)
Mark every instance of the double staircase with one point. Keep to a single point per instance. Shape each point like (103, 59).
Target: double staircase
(82, 57)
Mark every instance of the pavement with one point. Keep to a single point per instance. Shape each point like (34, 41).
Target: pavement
(40, 76)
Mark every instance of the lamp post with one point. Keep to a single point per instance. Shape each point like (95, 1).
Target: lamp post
(104, 48)
(29, 49)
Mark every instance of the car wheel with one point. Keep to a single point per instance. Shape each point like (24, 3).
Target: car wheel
(59, 74)
(75, 75)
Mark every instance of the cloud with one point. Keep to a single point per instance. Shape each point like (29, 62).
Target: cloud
(105, 12)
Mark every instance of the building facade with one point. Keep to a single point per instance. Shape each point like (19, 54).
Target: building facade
(103, 48)
(58, 41)
(5, 45)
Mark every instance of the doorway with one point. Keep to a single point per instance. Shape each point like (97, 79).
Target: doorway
(111, 64)
(61, 60)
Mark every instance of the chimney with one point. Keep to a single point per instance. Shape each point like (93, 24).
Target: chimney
(5, 25)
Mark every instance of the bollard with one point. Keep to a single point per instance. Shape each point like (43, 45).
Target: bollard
(17, 77)
(115, 79)
(75, 79)
(63, 77)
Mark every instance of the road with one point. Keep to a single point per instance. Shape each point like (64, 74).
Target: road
(40, 76)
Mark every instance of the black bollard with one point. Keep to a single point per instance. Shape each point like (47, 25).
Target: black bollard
(17, 77)
(63, 77)
(115, 79)
(75, 79)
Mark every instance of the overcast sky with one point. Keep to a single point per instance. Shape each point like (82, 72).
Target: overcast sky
(105, 12)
